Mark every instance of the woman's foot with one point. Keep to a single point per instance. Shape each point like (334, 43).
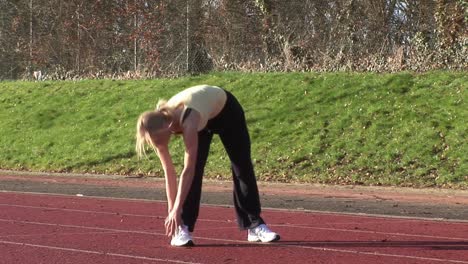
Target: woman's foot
(262, 233)
(182, 237)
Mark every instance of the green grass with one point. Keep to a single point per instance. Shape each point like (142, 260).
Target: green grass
(342, 128)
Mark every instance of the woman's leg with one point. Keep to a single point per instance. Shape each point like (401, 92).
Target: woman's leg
(236, 140)
(192, 202)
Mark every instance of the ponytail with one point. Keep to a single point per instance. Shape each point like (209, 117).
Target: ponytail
(142, 136)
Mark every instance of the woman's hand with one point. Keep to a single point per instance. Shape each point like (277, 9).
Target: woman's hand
(172, 222)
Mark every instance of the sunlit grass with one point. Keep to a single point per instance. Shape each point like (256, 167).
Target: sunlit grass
(347, 128)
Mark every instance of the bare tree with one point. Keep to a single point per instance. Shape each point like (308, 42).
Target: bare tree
(138, 38)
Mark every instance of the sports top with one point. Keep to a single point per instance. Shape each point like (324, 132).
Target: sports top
(205, 99)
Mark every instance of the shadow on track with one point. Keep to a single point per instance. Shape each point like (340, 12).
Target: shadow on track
(432, 245)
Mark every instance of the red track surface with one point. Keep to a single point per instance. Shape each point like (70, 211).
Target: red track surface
(36, 228)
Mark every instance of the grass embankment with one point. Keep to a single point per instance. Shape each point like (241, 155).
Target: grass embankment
(374, 129)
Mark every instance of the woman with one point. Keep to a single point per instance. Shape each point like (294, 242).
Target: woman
(197, 113)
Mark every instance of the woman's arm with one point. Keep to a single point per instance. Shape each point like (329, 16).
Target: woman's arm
(190, 135)
(190, 159)
(170, 175)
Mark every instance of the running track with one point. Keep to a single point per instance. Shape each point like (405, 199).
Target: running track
(40, 228)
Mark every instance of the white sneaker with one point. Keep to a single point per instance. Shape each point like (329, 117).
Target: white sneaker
(262, 233)
(182, 237)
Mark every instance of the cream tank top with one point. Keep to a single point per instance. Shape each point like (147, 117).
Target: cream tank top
(205, 99)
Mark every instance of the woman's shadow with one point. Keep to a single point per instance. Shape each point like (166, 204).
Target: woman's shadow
(432, 245)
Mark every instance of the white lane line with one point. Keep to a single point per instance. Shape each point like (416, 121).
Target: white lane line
(389, 255)
(84, 227)
(373, 232)
(279, 244)
(245, 242)
(75, 250)
(322, 212)
(229, 221)
(61, 234)
(47, 208)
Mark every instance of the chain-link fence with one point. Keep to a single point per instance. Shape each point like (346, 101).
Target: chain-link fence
(54, 39)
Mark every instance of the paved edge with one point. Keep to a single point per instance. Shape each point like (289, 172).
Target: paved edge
(440, 204)
(423, 195)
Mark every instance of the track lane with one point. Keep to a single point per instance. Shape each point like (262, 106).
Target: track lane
(128, 227)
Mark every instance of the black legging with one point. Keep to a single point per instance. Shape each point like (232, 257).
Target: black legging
(231, 127)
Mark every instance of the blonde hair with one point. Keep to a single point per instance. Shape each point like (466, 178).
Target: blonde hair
(148, 123)
(162, 105)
